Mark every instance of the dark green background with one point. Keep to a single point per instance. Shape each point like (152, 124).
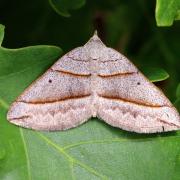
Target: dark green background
(128, 26)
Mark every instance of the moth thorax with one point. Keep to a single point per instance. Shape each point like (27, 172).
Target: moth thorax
(94, 54)
(94, 48)
(97, 52)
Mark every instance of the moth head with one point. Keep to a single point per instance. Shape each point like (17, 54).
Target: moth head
(95, 47)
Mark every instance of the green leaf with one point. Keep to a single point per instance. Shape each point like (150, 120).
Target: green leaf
(94, 150)
(2, 153)
(178, 91)
(155, 74)
(167, 11)
(62, 7)
(18, 68)
(1, 33)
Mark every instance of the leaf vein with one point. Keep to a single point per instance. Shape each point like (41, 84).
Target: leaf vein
(4, 104)
(112, 141)
(70, 158)
(26, 154)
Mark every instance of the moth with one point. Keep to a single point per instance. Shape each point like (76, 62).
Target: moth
(94, 81)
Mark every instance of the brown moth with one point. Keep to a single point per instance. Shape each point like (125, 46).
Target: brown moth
(94, 81)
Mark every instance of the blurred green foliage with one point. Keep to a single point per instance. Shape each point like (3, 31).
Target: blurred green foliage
(62, 7)
(128, 26)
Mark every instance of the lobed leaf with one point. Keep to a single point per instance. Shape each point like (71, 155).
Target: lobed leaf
(18, 68)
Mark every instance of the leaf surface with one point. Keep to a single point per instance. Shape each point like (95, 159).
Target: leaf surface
(94, 150)
(167, 11)
(155, 74)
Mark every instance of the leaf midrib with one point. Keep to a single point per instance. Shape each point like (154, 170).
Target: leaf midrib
(26, 154)
(71, 159)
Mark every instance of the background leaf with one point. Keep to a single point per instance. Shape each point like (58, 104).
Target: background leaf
(18, 67)
(155, 74)
(167, 11)
(62, 7)
(178, 91)
(1, 33)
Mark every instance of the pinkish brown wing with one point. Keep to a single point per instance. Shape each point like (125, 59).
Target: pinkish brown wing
(129, 101)
(59, 99)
